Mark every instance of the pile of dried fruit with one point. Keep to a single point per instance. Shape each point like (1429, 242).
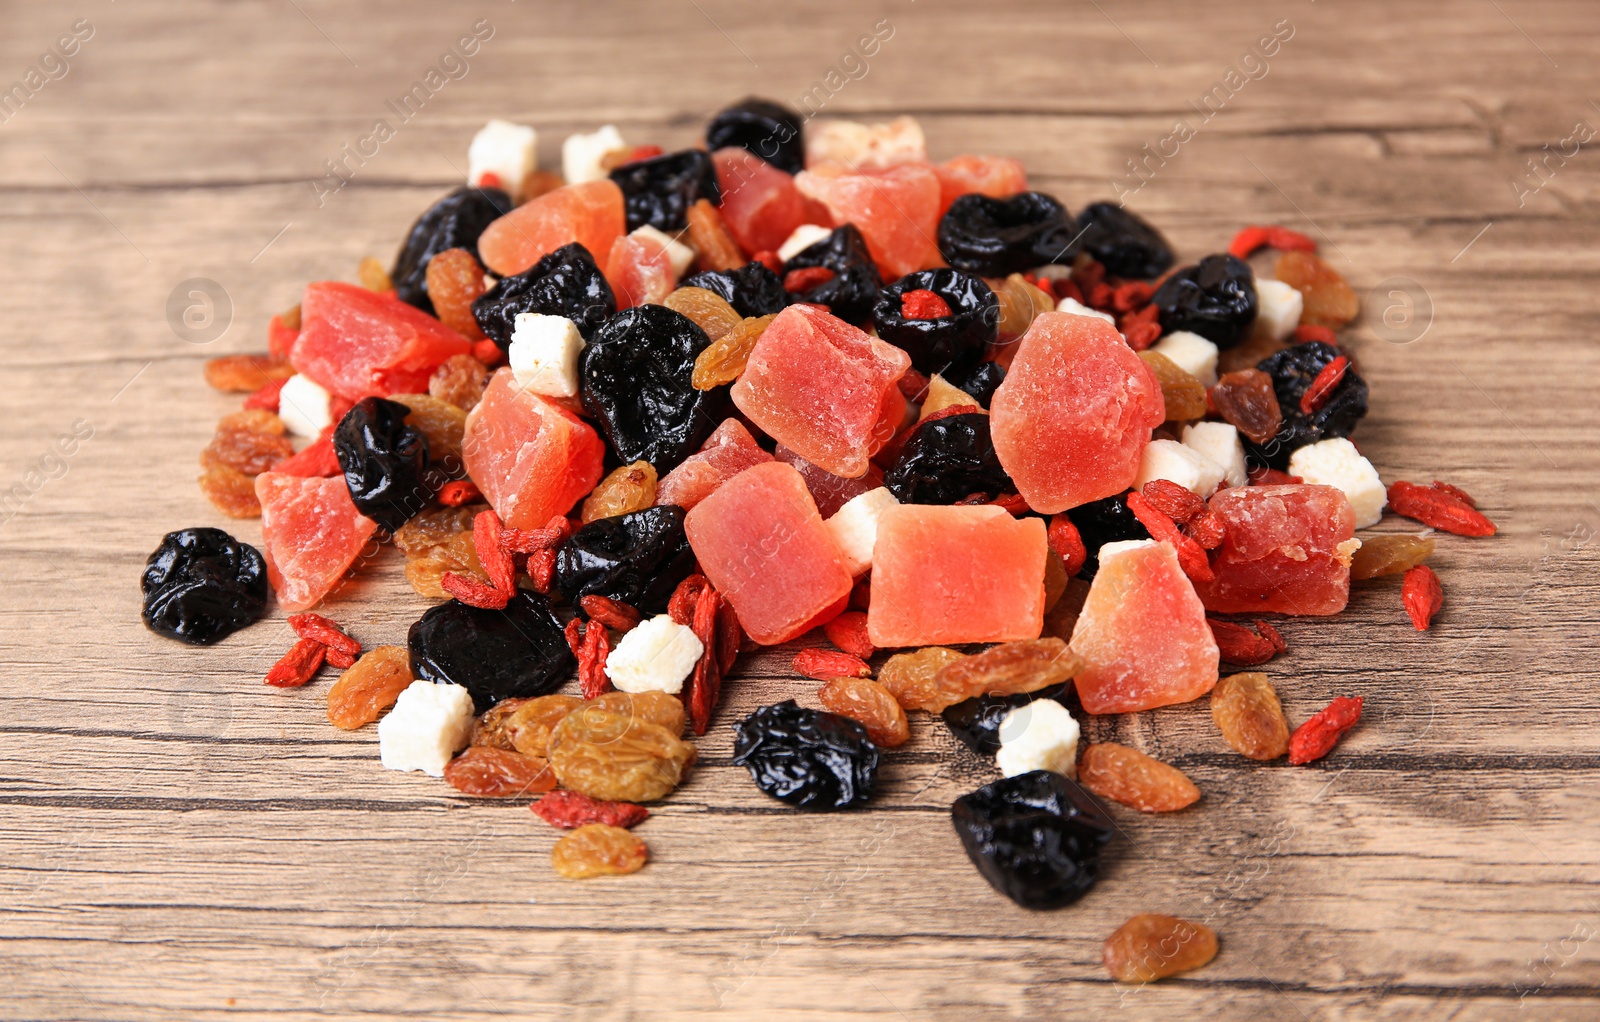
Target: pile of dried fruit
(626, 420)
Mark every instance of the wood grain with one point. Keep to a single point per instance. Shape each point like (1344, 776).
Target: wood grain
(178, 842)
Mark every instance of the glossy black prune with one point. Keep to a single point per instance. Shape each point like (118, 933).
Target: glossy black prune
(659, 190)
(767, 129)
(980, 378)
(999, 237)
(810, 759)
(853, 290)
(1123, 242)
(385, 462)
(517, 652)
(566, 282)
(752, 289)
(637, 558)
(637, 383)
(1292, 371)
(976, 721)
(201, 585)
(1104, 521)
(1215, 298)
(946, 460)
(1035, 837)
(455, 221)
(974, 319)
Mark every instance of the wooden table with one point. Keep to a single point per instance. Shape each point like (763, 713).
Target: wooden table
(179, 842)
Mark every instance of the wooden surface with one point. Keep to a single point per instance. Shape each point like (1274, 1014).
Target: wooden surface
(179, 842)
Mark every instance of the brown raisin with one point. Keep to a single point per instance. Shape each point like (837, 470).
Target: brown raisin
(913, 678)
(251, 442)
(369, 687)
(230, 491)
(617, 756)
(1185, 396)
(1247, 400)
(1010, 668)
(373, 276)
(491, 728)
(629, 488)
(1129, 776)
(1149, 947)
(460, 380)
(1020, 304)
(498, 773)
(598, 850)
(441, 422)
(1247, 712)
(1389, 555)
(455, 281)
(724, 360)
(870, 704)
(710, 311)
(246, 374)
(714, 247)
(1329, 300)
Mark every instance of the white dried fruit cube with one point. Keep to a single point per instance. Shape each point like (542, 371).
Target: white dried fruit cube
(803, 238)
(1192, 353)
(581, 155)
(544, 354)
(427, 725)
(657, 655)
(304, 406)
(1220, 442)
(1278, 309)
(1168, 459)
(855, 527)
(861, 146)
(679, 255)
(1040, 735)
(1336, 462)
(1077, 308)
(505, 150)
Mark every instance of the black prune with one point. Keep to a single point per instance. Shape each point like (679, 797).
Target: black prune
(999, 237)
(637, 383)
(637, 558)
(455, 221)
(1104, 521)
(1123, 242)
(946, 460)
(517, 652)
(565, 282)
(853, 290)
(976, 721)
(1215, 298)
(752, 289)
(767, 129)
(201, 585)
(980, 378)
(1035, 837)
(659, 190)
(1292, 371)
(810, 759)
(974, 319)
(385, 462)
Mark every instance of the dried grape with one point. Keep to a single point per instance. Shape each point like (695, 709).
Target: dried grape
(618, 756)
(498, 773)
(709, 310)
(1389, 555)
(1184, 395)
(231, 492)
(529, 724)
(714, 246)
(1020, 304)
(460, 380)
(913, 678)
(597, 850)
(1149, 947)
(441, 423)
(1246, 400)
(1247, 712)
(1129, 776)
(869, 704)
(250, 442)
(1329, 300)
(454, 282)
(725, 359)
(370, 686)
(1007, 669)
(659, 708)
(627, 489)
(246, 374)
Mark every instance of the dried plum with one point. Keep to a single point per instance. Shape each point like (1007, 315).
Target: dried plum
(1104, 521)
(385, 462)
(995, 237)
(1292, 371)
(637, 558)
(455, 221)
(1035, 837)
(976, 721)
(752, 289)
(810, 759)
(1123, 242)
(637, 383)
(659, 190)
(1215, 298)
(520, 651)
(201, 585)
(978, 378)
(974, 319)
(946, 460)
(853, 290)
(565, 282)
(767, 129)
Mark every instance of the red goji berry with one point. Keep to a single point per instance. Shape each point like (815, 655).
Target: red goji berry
(592, 676)
(1131, 295)
(730, 636)
(489, 179)
(316, 460)
(458, 492)
(325, 631)
(1088, 275)
(474, 593)
(492, 554)
(343, 661)
(1099, 297)
(913, 386)
(1014, 503)
(770, 259)
(1252, 239)
(1239, 645)
(1422, 595)
(574, 634)
(1067, 543)
(1272, 635)
(641, 152)
(1316, 737)
(1439, 508)
(1044, 284)
(1263, 476)
(682, 603)
(806, 278)
(570, 809)
(949, 410)
(705, 684)
(1323, 385)
(297, 666)
(826, 664)
(542, 569)
(610, 613)
(487, 352)
(1311, 332)
(923, 304)
(531, 541)
(266, 397)
(848, 631)
(1456, 492)
(1141, 335)
(281, 337)
(1206, 529)
(1191, 557)
(1174, 500)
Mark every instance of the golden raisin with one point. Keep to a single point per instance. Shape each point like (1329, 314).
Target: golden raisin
(870, 704)
(1389, 555)
(1007, 669)
(246, 374)
(455, 280)
(498, 773)
(441, 422)
(629, 488)
(460, 380)
(598, 850)
(250, 441)
(1129, 776)
(1247, 400)
(1248, 353)
(1184, 395)
(1063, 617)
(540, 182)
(710, 311)
(913, 678)
(1149, 947)
(617, 756)
(1020, 304)
(1247, 712)
(714, 247)
(1329, 300)
(291, 318)
(942, 395)
(373, 276)
(525, 725)
(369, 687)
(652, 707)
(230, 491)
(434, 527)
(724, 359)
(491, 729)
(426, 569)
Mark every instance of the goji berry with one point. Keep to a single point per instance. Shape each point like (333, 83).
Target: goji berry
(1099, 297)
(316, 460)
(458, 492)
(1014, 503)
(542, 568)
(1323, 385)
(1439, 508)
(281, 334)
(489, 179)
(610, 613)
(1306, 332)
(297, 666)
(913, 386)
(1191, 557)
(592, 663)
(1239, 645)
(806, 278)
(923, 304)
(492, 554)
(267, 397)
(574, 634)
(1263, 476)
(705, 684)
(1067, 543)
(1272, 635)
(531, 541)
(1131, 295)
(1044, 284)
(570, 809)
(1252, 239)
(1087, 275)
(473, 592)
(848, 631)
(769, 259)
(1423, 596)
(341, 660)
(682, 603)
(1316, 737)
(487, 352)
(1206, 529)
(823, 664)
(1063, 289)
(325, 631)
(730, 636)
(1456, 492)
(1174, 500)
(1141, 335)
